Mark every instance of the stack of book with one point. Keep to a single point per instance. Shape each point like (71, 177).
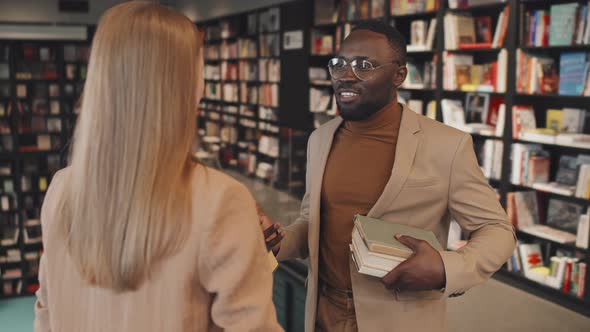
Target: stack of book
(376, 251)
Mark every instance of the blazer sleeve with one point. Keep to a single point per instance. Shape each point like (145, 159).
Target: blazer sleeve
(234, 267)
(41, 309)
(473, 204)
(295, 244)
(42, 321)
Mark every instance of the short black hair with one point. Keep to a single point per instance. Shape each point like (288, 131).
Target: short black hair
(397, 41)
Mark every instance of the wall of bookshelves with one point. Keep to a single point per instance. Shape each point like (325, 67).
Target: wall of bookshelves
(247, 108)
(40, 82)
(520, 85)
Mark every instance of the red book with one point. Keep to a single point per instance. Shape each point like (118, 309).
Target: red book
(546, 21)
(567, 280)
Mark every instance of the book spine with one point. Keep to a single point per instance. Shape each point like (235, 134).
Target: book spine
(582, 276)
(568, 276)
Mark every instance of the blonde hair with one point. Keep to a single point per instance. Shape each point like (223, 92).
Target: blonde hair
(126, 202)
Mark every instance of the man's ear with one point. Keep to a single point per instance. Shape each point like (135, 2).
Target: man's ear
(400, 76)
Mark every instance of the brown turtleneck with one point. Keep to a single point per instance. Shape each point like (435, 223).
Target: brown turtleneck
(358, 168)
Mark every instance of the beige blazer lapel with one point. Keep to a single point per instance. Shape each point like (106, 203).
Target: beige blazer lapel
(406, 147)
(317, 176)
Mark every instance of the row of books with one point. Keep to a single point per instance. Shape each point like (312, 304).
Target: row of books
(422, 34)
(266, 70)
(248, 94)
(531, 167)
(417, 105)
(538, 74)
(421, 75)
(562, 24)
(34, 53)
(481, 115)
(567, 274)
(36, 71)
(461, 73)
(267, 21)
(463, 31)
(42, 90)
(454, 4)
(321, 100)
(404, 7)
(270, 45)
(561, 222)
(567, 126)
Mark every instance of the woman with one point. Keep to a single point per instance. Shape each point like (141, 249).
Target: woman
(137, 236)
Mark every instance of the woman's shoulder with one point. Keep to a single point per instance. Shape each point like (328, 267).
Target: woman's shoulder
(213, 183)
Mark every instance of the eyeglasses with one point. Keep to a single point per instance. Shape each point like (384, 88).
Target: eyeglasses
(362, 69)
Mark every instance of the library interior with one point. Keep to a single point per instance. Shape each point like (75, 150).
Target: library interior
(513, 76)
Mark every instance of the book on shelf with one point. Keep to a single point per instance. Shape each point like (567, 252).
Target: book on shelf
(376, 251)
(404, 7)
(416, 105)
(319, 99)
(464, 31)
(229, 50)
(321, 42)
(248, 71)
(213, 91)
(229, 71)
(454, 4)
(564, 215)
(325, 12)
(573, 73)
(460, 73)
(230, 92)
(268, 95)
(269, 45)
(247, 48)
(212, 52)
(583, 232)
(420, 75)
(269, 70)
(563, 273)
(212, 72)
(422, 34)
(377, 8)
(565, 21)
(431, 110)
(270, 20)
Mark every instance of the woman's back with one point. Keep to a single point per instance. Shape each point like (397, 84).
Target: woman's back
(219, 278)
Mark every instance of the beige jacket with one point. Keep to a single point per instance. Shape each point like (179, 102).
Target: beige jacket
(435, 176)
(220, 279)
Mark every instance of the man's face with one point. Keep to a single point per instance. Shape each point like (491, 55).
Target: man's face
(359, 99)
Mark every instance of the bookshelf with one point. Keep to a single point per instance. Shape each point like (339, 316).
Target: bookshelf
(496, 54)
(40, 83)
(257, 116)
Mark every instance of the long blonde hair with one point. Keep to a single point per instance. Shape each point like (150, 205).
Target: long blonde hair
(126, 202)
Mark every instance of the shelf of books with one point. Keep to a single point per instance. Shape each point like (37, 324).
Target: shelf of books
(515, 75)
(40, 82)
(242, 107)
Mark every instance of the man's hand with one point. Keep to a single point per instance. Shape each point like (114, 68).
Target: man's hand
(273, 233)
(424, 270)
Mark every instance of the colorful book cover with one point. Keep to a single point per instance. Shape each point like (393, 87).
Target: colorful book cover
(554, 120)
(562, 24)
(573, 68)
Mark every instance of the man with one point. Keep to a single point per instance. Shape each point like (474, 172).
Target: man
(382, 160)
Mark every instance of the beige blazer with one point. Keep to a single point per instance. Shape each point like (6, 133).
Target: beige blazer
(435, 176)
(220, 279)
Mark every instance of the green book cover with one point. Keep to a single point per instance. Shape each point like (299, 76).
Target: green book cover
(379, 236)
(562, 24)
